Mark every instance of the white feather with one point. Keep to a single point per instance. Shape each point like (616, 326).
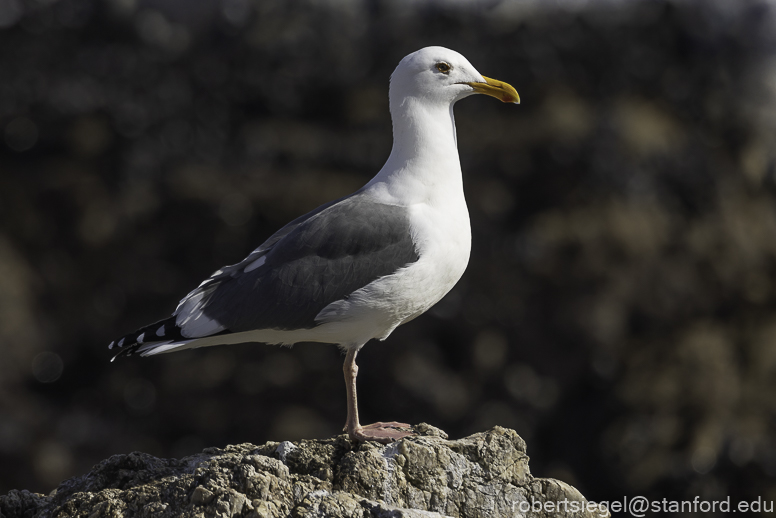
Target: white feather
(190, 316)
(255, 264)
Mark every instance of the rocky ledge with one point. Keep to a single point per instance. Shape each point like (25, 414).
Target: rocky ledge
(484, 475)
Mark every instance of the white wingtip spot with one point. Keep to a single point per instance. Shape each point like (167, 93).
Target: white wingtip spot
(255, 264)
(140, 338)
(121, 342)
(110, 346)
(160, 331)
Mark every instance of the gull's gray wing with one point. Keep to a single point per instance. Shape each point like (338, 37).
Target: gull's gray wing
(313, 261)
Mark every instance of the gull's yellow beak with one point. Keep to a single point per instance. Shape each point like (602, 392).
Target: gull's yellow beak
(498, 89)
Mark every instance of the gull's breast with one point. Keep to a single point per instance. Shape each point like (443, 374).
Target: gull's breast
(442, 237)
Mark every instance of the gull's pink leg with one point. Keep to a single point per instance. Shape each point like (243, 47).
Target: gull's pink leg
(379, 432)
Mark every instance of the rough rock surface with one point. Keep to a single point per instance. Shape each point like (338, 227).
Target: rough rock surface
(484, 475)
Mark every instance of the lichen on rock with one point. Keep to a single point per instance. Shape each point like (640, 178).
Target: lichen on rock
(484, 475)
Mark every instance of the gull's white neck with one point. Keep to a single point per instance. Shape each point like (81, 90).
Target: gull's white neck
(423, 165)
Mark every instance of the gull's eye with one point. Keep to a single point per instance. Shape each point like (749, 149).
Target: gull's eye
(443, 67)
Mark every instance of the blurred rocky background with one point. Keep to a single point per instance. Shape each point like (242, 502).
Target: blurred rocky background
(619, 310)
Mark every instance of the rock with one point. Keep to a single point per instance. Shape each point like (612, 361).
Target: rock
(484, 475)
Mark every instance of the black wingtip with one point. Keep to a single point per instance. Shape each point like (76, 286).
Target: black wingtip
(162, 331)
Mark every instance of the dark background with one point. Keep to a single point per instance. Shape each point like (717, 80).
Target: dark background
(619, 309)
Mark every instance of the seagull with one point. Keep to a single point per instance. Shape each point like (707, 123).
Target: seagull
(358, 267)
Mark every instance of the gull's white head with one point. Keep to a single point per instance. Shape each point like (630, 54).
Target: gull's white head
(440, 75)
